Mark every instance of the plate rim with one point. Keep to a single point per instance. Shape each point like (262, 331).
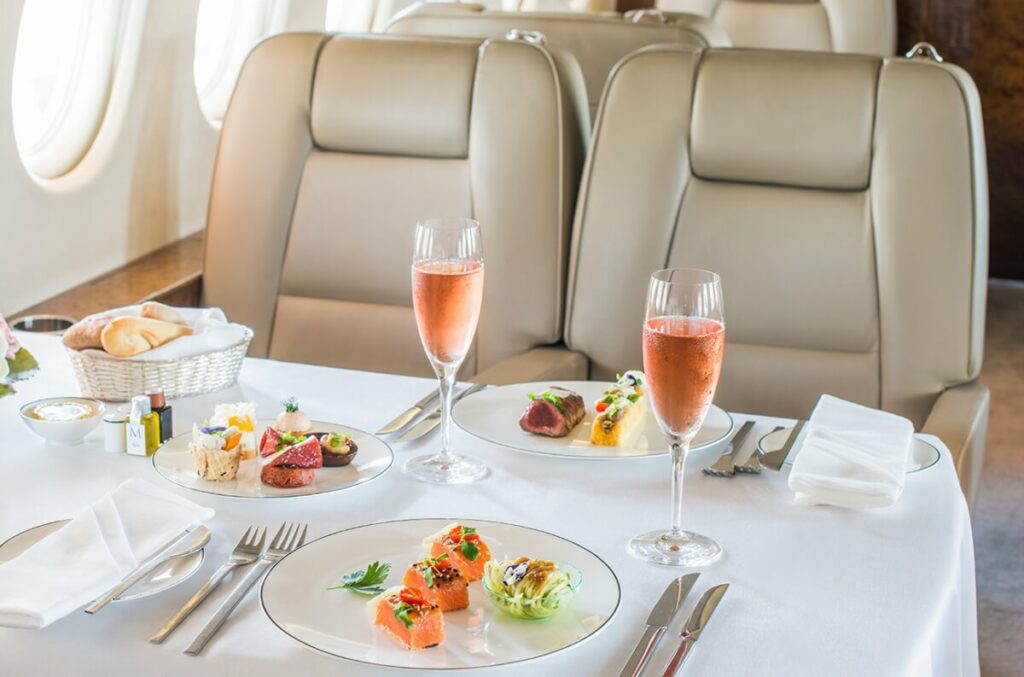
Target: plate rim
(391, 462)
(581, 457)
(124, 597)
(597, 630)
(938, 452)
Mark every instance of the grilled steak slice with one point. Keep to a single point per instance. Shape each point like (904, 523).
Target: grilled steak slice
(554, 413)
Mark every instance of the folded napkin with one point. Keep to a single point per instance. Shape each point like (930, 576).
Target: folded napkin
(211, 332)
(851, 456)
(92, 553)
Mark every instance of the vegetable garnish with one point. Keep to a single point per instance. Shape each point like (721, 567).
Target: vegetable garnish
(466, 538)
(408, 601)
(289, 440)
(291, 405)
(432, 563)
(368, 581)
(548, 396)
(335, 440)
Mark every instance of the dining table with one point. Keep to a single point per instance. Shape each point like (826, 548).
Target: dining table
(814, 591)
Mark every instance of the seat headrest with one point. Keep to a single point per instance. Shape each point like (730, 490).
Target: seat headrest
(784, 118)
(365, 88)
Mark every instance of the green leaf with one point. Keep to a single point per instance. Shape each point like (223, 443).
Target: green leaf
(6, 390)
(291, 405)
(532, 396)
(368, 581)
(22, 362)
(553, 399)
(466, 531)
(469, 550)
(428, 576)
(401, 612)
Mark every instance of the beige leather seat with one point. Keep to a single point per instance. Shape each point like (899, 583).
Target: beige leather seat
(597, 41)
(856, 26)
(843, 200)
(333, 148)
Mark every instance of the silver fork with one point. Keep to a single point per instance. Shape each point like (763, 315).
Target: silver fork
(723, 467)
(247, 551)
(753, 464)
(284, 542)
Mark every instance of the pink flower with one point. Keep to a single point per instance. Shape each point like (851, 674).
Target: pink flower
(12, 343)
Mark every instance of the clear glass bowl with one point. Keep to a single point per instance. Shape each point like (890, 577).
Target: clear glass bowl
(540, 608)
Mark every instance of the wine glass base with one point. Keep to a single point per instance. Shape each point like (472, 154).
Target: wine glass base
(686, 550)
(445, 470)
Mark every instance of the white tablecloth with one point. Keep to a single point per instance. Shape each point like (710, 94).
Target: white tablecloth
(815, 591)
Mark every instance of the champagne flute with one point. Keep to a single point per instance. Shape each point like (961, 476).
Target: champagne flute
(684, 339)
(447, 289)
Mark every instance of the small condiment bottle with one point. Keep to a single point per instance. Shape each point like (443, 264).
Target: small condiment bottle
(142, 434)
(159, 406)
(114, 425)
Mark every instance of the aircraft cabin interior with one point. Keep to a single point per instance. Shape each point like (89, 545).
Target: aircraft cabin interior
(512, 337)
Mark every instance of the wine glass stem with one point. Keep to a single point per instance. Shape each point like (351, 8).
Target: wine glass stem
(679, 451)
(447, 380)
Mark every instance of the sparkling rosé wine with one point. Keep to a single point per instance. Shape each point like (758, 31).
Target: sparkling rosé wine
(682, 359)
(446, 296)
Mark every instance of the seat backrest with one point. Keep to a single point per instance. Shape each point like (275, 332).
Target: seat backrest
(333, 148)
(854, 26)
(597, 41)
(842, 199)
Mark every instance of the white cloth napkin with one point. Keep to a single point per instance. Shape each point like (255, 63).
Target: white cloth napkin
(92, 553)
(851, 456)
(211, 332)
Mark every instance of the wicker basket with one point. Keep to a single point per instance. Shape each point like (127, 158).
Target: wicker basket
(117, 380)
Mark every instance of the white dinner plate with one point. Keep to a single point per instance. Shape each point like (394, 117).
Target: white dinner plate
(173, 460)
(922, 454)
(167, 575)
(337, 622)
(493, 415)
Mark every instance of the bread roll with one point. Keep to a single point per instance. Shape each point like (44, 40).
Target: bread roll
(130, 336)
(85, 333)
(158, 311)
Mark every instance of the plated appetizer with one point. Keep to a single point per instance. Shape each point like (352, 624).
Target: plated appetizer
(620, 412)
(466, 551)
(292, 419)
(216, 452)
(530, 588)
(554, 413)
(289, 460)
(409, 618)
(438, 582)
(241, 415)
(338, 450)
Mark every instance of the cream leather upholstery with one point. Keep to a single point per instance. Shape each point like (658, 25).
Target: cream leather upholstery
(597, 41)
(333, 148)
(851, 238)
(854, 26)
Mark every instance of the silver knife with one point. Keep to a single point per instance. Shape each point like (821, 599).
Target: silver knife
(432, 421)
(186, 544)
(773, 460)
(660, 618)
(695, 626)
(402, 420)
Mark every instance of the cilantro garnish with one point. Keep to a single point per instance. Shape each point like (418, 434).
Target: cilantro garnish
(469, 550)
(401, 612)
(368, 581)
(466, 531)
(432, 562)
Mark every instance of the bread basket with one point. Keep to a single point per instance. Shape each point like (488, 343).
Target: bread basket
(117, 380)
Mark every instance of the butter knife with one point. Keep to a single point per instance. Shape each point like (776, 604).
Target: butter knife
(695, 626)
(773, 460)
(402, 420)
(432, 421)
(186, 544)
(660, 618)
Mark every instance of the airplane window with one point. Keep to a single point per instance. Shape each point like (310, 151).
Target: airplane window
(63, 71)
(353, 16)
(226, 30)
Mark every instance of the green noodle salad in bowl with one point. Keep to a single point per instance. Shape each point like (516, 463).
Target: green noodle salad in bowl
(530, 588)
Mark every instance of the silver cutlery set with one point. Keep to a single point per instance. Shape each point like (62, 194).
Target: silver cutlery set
(661, 618)
(249, 550)
(735, 460)
(403, 422)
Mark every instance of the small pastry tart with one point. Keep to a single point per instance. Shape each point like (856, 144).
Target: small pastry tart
(338, 449)
(216, 452)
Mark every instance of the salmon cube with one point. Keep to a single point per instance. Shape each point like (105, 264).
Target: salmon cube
(438, 582)
(410, 619)
(466, 551)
